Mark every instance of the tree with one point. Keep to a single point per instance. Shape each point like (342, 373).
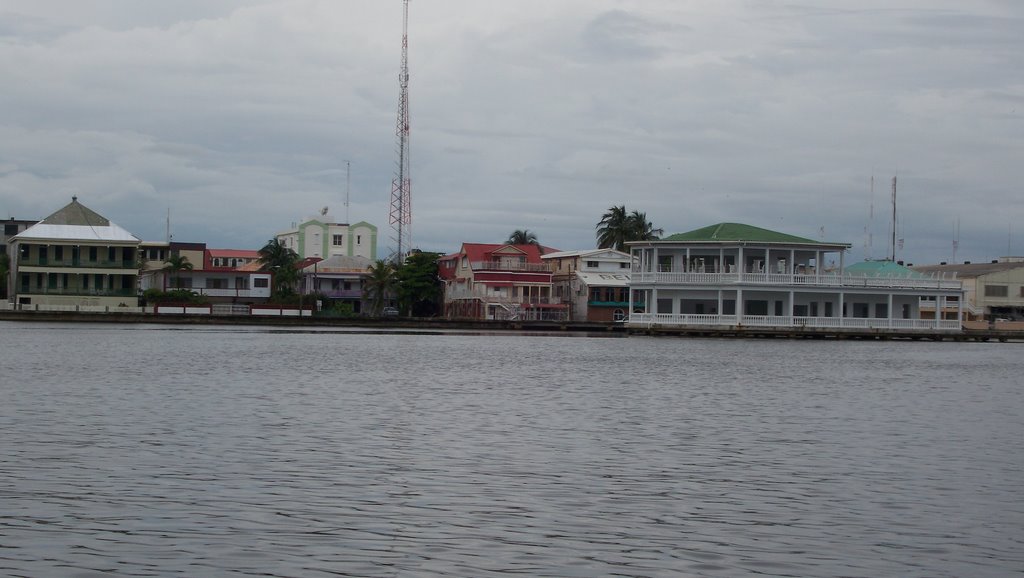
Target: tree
(641, 229)
(522, 237)
(280, 260)
(379, 284)
(617, 227)
(613, 229)
(174, 265)
(418, 286)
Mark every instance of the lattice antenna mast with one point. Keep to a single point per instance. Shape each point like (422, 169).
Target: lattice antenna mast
(401, 195)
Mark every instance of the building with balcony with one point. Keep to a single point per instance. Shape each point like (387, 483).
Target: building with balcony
(74, 257)
(734, 275)
(321, 237)
(594, 283)
(338, 278)
(993, 290)
(491, 281)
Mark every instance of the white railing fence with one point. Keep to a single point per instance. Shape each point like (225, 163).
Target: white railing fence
(788, 322)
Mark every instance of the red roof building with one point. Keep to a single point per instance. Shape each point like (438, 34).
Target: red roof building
(493, 281)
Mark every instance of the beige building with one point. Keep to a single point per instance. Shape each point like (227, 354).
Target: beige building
(74, 257)
(993, 290)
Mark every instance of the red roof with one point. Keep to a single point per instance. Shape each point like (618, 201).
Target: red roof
(483, 251)
(239, 253)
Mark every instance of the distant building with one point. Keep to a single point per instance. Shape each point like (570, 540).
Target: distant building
(74, 257)
(490, 281)
(993, 290)
(594, 283)
(11, 228)
(229, 259)
(340, 279)
(732, 274)
(322, 237)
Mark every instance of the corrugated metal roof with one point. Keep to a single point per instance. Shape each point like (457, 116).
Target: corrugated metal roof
(740, 233)
(76, 222)
(604, 279)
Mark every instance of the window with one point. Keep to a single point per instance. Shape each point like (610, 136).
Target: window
(261, 282)
(217, 283)
(592, 264)
(618, 315)
(93, 255)
(996, 291)
(111, 254)
(10, 230)
(623, 265)
(338, 240)
(58, 253)
(24, 250)
(359, 239)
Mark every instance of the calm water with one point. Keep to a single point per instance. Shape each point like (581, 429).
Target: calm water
(154, 451)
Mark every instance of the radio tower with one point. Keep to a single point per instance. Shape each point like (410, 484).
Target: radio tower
(401, 195)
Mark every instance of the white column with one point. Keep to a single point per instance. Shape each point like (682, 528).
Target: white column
(791, 269)
(960, 308)
(890, 311)
(791, 306)
(739, 306)
(686, 263)
(817, 266)
(739, 263)
(767, 256)
(654, 255)
(721, 258)
(719, 310)
(840, 314)
(940, 304)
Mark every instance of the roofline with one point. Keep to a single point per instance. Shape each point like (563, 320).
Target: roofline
(744, 243)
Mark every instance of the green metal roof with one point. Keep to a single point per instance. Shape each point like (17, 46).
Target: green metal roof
(737, 232)
(882, 269)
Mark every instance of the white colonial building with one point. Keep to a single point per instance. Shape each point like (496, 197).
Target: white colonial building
(74, 258)
(734, 275)
(594, 282)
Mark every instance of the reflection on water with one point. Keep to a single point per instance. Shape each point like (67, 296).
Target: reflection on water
(150, 451)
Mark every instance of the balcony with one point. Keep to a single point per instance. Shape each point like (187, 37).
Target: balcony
(510, 266)
(795, 280)
(77, 292)
(76, 264)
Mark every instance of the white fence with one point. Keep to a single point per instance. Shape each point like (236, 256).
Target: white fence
(787, 322)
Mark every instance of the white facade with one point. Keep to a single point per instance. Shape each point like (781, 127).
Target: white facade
(594, 282)
(750, 277)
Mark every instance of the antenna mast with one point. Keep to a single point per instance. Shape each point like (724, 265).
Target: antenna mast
(893, 219)
(400, 217)
(348, 188)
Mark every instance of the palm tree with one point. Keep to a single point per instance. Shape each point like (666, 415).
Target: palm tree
(174, 265)
(379, 284)
(281, 261)
(617, 227)
(613, 229)
(522, 237)
(641, 229)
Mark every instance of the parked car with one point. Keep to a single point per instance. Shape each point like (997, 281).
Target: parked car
(389, 312)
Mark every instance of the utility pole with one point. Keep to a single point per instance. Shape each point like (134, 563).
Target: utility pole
(400, 217)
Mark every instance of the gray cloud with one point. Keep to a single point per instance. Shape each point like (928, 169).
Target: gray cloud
(239, 116)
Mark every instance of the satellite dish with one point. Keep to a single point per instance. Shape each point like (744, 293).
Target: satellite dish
(323, 211)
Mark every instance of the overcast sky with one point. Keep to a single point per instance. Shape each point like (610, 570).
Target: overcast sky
(239, 117)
